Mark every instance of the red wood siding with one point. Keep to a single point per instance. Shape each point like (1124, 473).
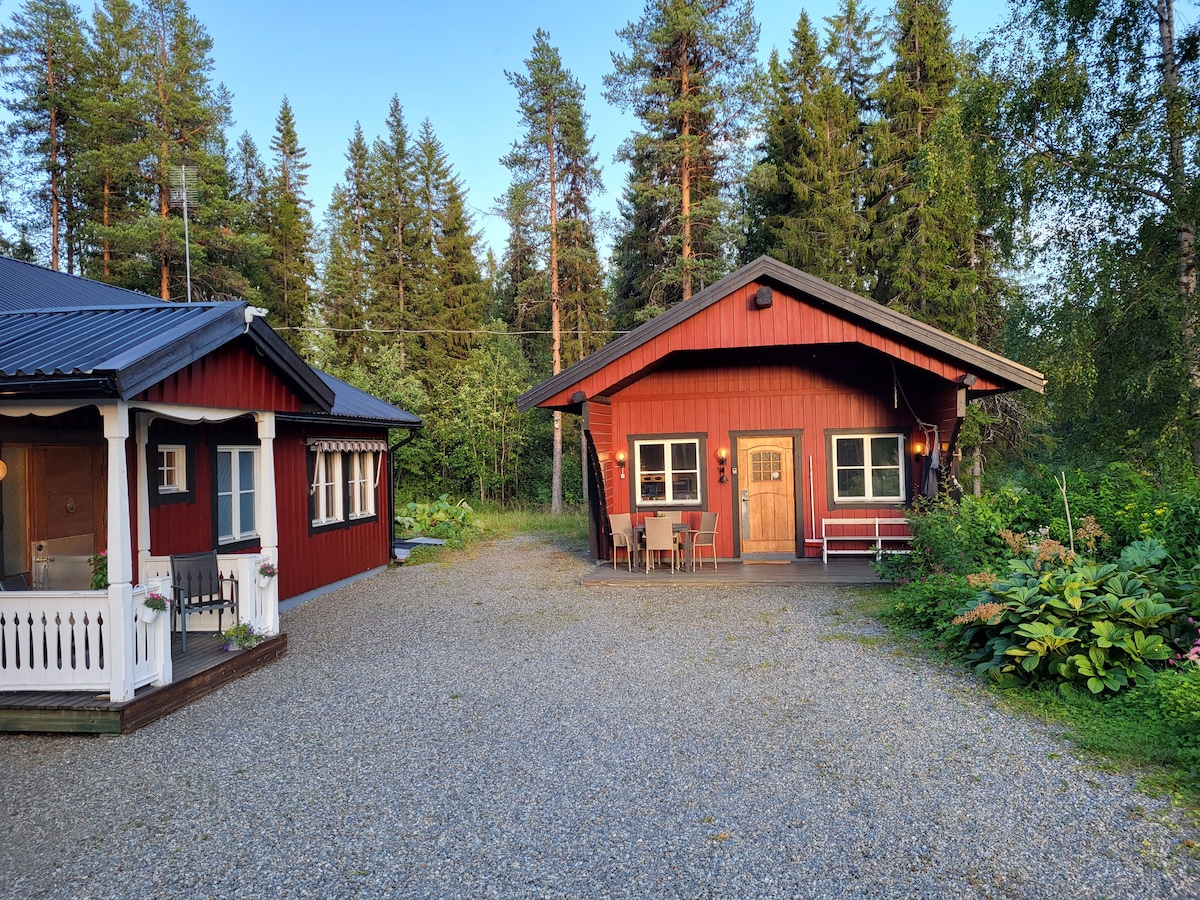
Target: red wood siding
(748, 397)
(311, 560)
(599, 425)
(735, 322)
(231, 377)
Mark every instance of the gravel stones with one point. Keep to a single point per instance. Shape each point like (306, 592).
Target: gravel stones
(488, 728)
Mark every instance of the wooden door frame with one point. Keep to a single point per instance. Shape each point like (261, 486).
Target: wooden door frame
(797, 436)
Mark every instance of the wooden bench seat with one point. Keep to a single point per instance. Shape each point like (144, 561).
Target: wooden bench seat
(869, 534)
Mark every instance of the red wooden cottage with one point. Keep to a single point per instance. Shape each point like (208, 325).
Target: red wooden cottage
(779, 401)
(142, 429)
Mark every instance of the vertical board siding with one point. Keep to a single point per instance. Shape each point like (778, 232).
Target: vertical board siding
(230, 377)
(308, 561)
(723, 399)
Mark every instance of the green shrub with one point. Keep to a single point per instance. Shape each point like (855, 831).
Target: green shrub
(927, 606)
(452, 522)
(1095, 625)
(1178, 693)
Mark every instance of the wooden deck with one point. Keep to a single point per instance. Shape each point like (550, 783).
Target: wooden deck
(796, 571)
(203, 669)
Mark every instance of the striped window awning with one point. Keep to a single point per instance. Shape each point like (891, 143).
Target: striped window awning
(346, 445)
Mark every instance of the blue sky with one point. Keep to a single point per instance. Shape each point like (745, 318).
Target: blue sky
(341, 62)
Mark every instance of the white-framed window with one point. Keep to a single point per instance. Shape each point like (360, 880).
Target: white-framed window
(362, 484)
(867, 467)
(236, 478)
(667, 471)
(327, 488)
(172, 469)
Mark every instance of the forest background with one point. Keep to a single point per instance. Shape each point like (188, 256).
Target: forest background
(1034, 191)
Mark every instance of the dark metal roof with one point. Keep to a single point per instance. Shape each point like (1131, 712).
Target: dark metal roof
(26, 286)
(130, 348)
(358, 407)
(767, 268)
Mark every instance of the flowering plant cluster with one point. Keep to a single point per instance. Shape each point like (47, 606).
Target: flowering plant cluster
(268, 570)
(99, 564)
(241, 635)
(155, 600)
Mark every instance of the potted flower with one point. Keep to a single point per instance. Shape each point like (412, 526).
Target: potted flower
(99, 564)
(241, 636)
(152, 606)
(266, 572)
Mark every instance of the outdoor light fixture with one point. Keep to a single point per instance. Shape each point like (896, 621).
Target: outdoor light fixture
(918, 448)
(3, 470)
(722, 456)
(621, 462)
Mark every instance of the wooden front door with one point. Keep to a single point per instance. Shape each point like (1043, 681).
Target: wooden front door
(767, 495)
(67, 502)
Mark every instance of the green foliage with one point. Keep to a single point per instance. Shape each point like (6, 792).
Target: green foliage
(928, 606)
(99, 564)
(453, 522)
(1099, 626)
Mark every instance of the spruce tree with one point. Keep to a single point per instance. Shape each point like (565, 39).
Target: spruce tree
(924, 217)
(390, 232)
(806, 193)
(289, 268)
(346, 284)
(690, 77)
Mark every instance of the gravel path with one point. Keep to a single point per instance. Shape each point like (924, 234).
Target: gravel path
(488, 728)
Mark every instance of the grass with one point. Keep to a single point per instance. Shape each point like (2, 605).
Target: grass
(568, 530)
(1126, 732)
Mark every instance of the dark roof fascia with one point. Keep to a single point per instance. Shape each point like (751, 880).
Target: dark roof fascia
(331, 419)
(277, 352)
(70, 386)
(137, 370)
(766, 267)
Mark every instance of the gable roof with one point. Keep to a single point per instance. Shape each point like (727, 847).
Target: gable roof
(74, 337)
(356, 407)
(843, 303)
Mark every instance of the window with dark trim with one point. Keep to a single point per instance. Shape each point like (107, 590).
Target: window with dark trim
(667, 471)
(237, 473)
(172, 469)
(867, 468)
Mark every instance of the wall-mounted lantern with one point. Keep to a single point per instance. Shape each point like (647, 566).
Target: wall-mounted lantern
(3, 470)
(722, 458)
(918, 448)
(621, 462)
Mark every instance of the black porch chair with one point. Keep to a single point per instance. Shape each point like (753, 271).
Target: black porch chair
(197, 586)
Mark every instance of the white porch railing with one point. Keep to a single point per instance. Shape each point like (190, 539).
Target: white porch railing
(64, 641)
(258, 598)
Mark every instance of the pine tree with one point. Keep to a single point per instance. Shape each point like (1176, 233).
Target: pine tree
(109, 183)
(550, 102)
(289, 268)
(43, 53)
(691, 79)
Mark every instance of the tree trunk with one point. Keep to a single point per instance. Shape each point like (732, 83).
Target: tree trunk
(556, 485)
(685, 177)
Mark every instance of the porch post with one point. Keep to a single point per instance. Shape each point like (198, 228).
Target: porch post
(120, 552)
(142, 470)
(266, 515)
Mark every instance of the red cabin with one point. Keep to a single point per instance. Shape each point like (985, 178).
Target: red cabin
(135, 429)
(781, 402)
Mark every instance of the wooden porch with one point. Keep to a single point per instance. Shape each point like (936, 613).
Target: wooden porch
(735, 571)
(202, 670)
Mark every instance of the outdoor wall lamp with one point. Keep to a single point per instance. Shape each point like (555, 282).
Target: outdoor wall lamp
(621, 462)
(722, 457)
(3, 470)
(918, 448)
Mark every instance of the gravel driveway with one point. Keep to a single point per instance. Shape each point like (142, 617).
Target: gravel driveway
(488, 728)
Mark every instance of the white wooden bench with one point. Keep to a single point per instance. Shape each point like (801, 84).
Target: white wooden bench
(869, 532)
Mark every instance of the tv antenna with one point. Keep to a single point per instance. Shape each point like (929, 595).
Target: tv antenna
(184, 193)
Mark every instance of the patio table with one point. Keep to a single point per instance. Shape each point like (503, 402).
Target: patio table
(639, 535)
